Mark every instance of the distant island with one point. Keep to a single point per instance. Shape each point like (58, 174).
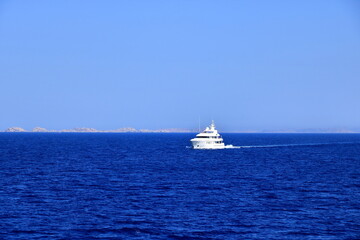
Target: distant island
(177, 130)
(93, 130)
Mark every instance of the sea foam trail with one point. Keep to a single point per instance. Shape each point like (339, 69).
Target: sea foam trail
(290, 145)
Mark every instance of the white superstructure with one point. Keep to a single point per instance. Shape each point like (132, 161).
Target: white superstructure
(208, 139)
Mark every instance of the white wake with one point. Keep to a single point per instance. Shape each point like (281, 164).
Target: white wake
(289, 145)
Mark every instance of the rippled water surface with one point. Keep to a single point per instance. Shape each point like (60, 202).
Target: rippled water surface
(152, 186)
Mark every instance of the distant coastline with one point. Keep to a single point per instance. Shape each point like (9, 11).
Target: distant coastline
(172, 130)
(93, 130)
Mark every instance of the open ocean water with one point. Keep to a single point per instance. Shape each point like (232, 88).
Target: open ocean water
(152, 186)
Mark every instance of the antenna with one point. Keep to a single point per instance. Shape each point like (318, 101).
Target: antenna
(199, 123)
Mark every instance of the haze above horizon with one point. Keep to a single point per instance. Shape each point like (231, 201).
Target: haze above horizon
(163, 64)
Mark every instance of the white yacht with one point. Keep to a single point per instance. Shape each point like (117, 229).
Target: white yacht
(209, 139)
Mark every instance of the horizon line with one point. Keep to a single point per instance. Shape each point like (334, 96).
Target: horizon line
(176, 130)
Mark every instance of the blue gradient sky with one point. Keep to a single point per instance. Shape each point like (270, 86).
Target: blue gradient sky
(162, 64)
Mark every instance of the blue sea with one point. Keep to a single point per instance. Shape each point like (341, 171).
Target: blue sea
(153, 186)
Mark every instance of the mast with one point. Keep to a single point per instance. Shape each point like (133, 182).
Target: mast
(199, 123)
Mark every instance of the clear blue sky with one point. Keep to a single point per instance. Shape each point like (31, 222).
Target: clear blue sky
(161, 64)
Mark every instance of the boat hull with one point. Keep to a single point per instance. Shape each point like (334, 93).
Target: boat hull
(206, 145)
